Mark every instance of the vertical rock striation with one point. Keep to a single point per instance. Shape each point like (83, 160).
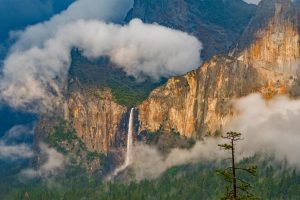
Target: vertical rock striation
(96, 118)
(265, 61)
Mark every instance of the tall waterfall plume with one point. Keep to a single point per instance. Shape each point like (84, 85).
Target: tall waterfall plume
(128, 158)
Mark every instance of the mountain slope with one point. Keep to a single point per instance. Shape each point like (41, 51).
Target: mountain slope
(214, 20)
(216, 23)
(199, 102)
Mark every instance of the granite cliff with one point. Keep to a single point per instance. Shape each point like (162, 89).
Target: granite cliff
(265, 60)
(96, 118)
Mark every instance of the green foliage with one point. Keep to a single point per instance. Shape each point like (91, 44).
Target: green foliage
(199, 181)
(62, 132)
(92, 156)
(65, 140)
(274, 181)
(126, 90)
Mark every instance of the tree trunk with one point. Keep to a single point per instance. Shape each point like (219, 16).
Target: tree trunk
(233, 171)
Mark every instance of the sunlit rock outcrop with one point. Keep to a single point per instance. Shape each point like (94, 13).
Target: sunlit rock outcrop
(96, 118)
(265, 61)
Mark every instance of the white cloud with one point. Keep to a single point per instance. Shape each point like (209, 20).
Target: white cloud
(29, 46)
(252, 1)
(138, 48)
(55, 162)
(15, 151)
(17, 131)
(37, 65)
(149, 163)
(270, 128)
(105, 10)
(10, 148)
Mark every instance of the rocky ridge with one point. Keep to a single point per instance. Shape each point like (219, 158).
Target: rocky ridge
(264, 60)
(198, 103)
(96, 118)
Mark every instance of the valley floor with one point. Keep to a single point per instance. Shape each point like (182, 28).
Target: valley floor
(274, 181)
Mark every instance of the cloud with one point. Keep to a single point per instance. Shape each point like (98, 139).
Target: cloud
(11, 148)
(15, 151)
(252, 1)
(17, 131)
(35, 74)
(105, 10)
(55, 162)
(34, 37)
(149, 163)
(269, 128)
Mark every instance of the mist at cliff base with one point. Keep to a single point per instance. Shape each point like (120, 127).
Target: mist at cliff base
(269, 128)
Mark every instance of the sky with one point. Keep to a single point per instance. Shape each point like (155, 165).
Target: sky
(29, 12)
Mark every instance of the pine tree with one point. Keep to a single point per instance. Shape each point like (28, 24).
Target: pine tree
(239, 189)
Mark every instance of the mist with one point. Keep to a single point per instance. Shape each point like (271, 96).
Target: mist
(14, 144)
(54, 163)
(36, 68)
(269, 128)
(15, 151)
(149, 163)
(37, 74)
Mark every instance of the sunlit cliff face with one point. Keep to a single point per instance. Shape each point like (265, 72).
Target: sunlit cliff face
(200, 102)
(277, 46)
(96, 119)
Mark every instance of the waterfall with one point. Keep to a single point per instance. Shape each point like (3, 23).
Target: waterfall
(128, 158)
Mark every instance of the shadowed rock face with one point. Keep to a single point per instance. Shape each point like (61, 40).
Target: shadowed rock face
(199, 102)
(216, 23)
